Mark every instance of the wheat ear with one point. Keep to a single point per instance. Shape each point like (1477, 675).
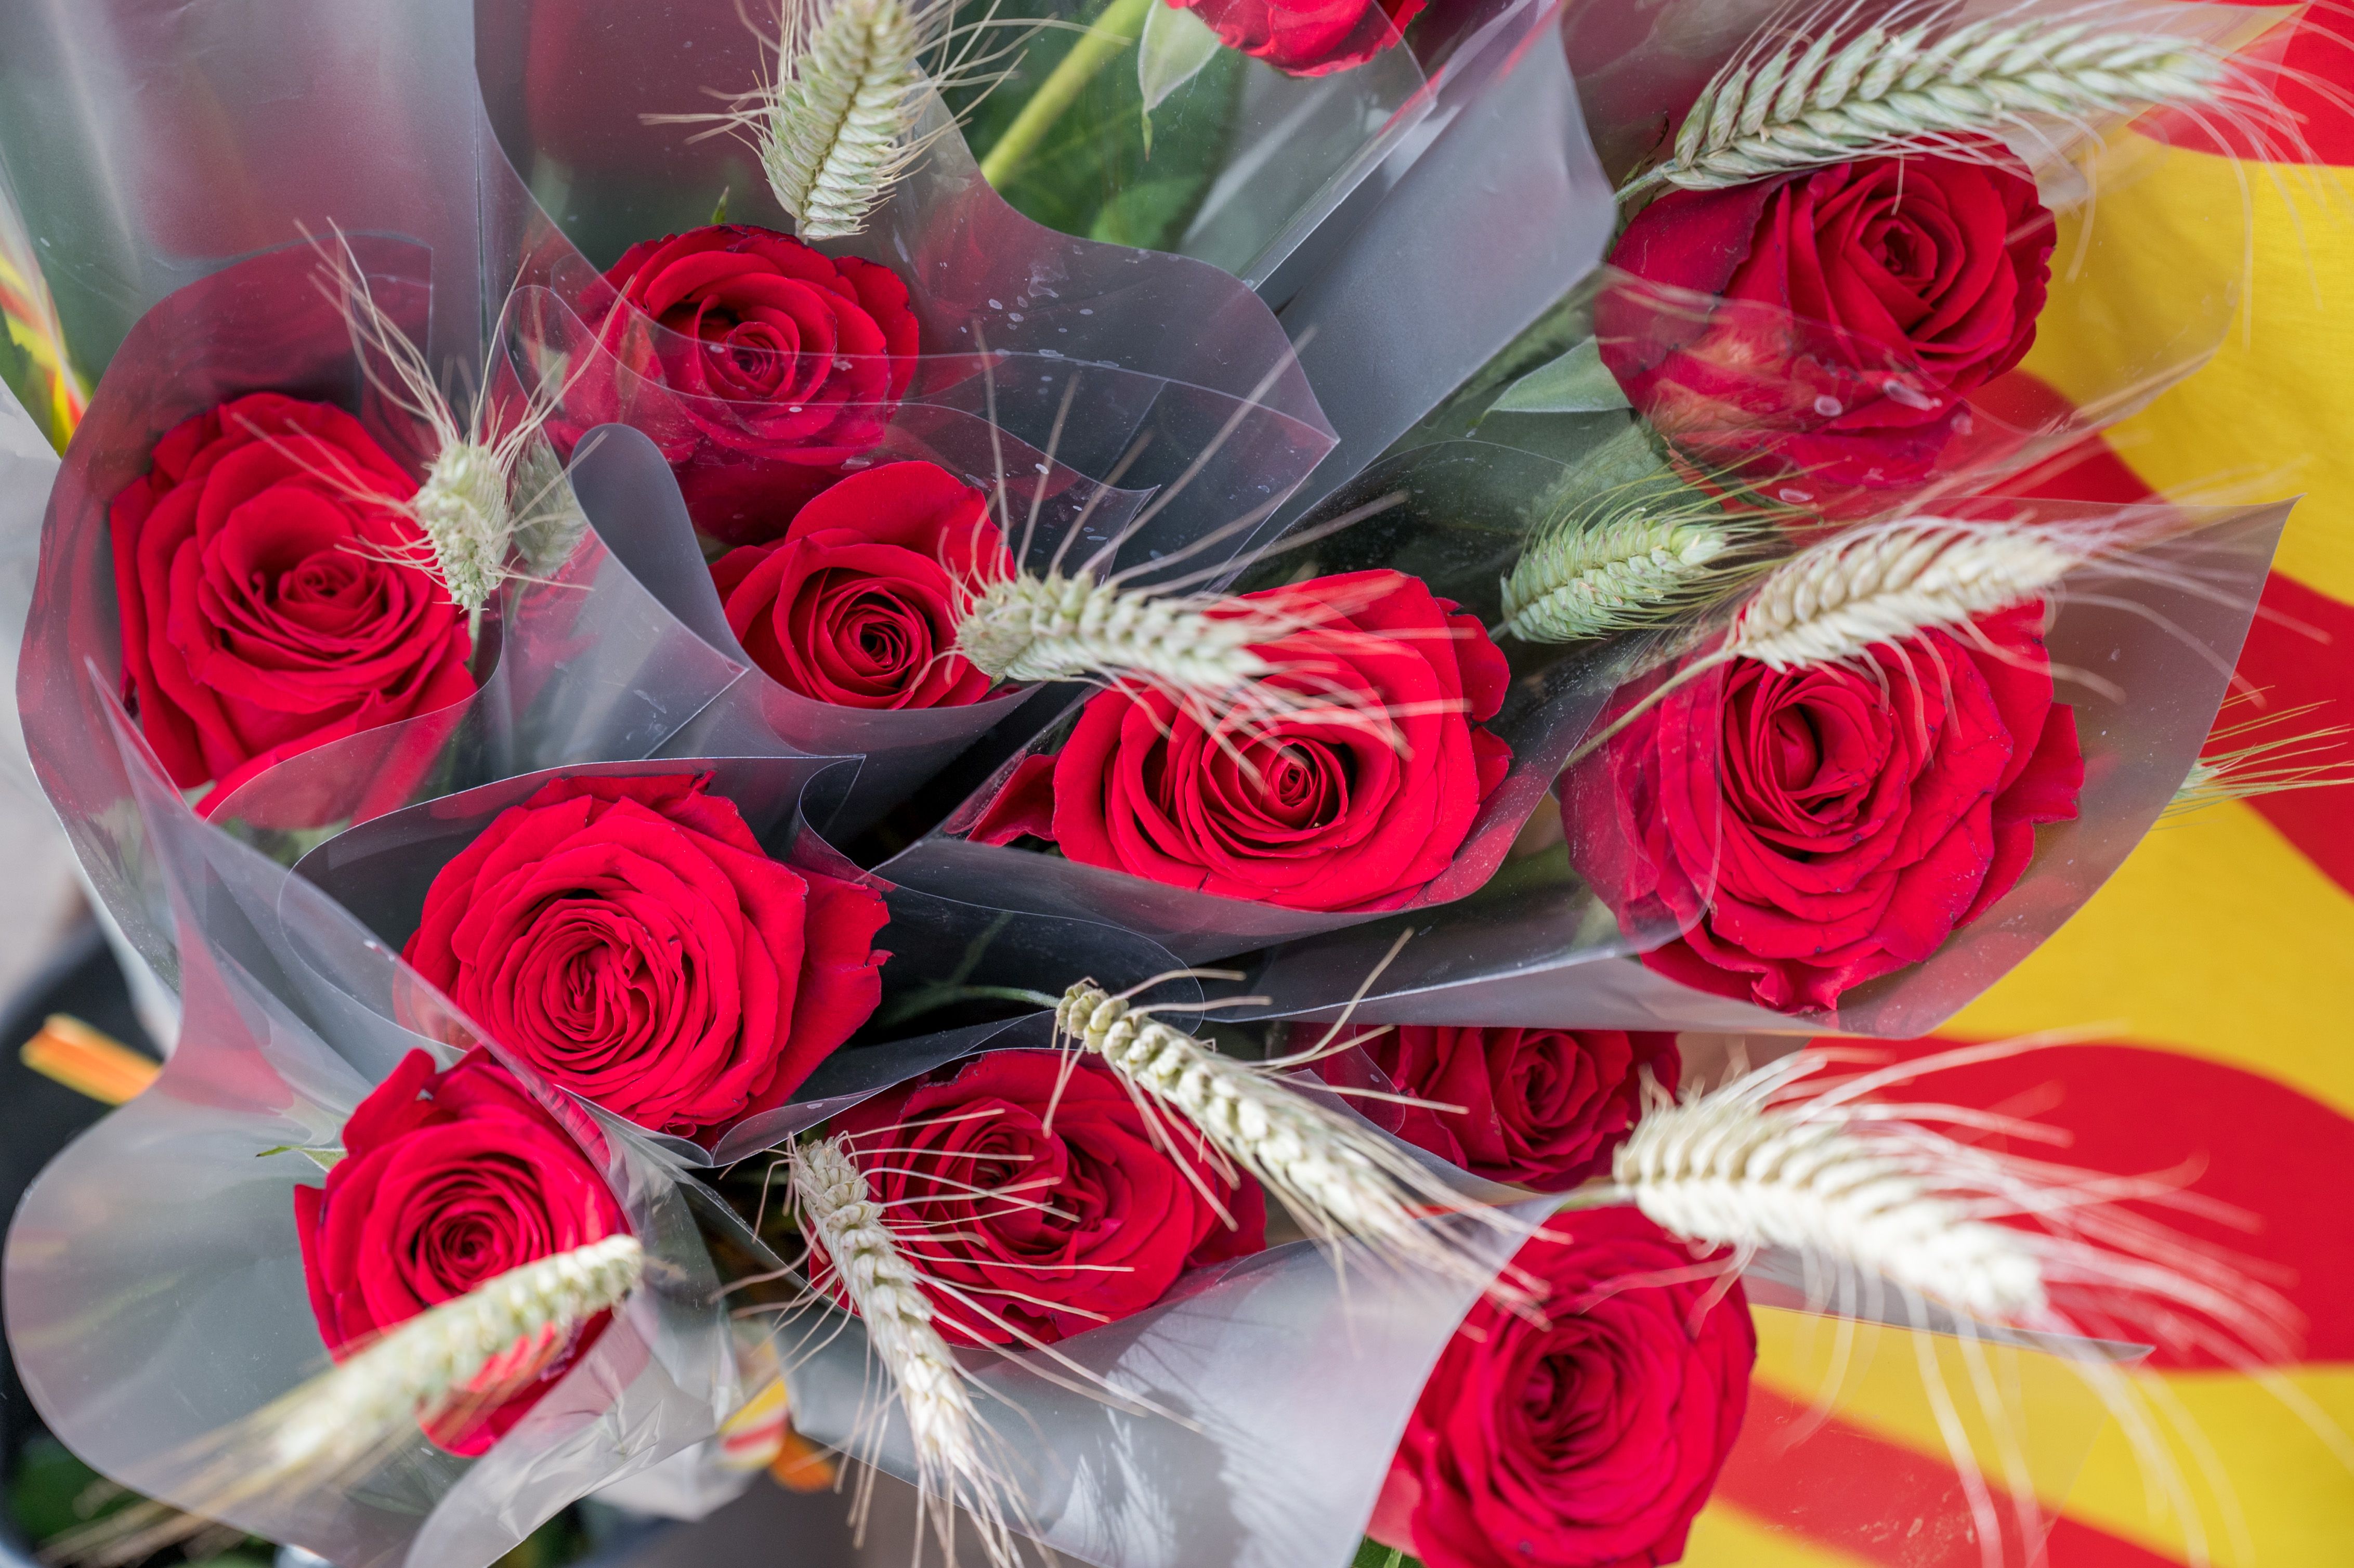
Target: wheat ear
(1830, 99)
(836, 134)
(2274, 765)
(1779, 1157)
(466, 507)
(427, 1368)
(1880, 585)
(1624, 563)
(952, 1462)
(1339, 1180)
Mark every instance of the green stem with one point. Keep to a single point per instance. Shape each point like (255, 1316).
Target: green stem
(932, 998)
(1120, 25)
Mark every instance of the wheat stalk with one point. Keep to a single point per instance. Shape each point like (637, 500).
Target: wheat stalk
(1620, 566)
(1885, 583)
(1771, 1160)
(835, 135)
(430, 1366)
(1342, 1180)
(1836, 97)
(1721, 1171)
(842, 1219)
(1881, 585)
(466, 507)
(2276, 764)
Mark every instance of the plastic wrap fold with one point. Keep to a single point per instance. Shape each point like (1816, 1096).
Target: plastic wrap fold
(153, 1274)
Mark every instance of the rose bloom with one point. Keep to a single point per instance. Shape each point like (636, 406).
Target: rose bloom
(775, 365)
(265, 607)
(1541, 1108)
(1098, 1218)
(1302, 811)
(1864, 302)
(447, 1180)
(1306, 41)
(857, 604)
(1589, 1442)
(1817, 827)
(631, 941)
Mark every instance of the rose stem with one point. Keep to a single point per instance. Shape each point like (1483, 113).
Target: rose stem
(1121, 25)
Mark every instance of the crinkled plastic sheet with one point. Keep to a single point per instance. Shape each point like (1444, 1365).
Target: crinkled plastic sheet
(1296, 1383)
(1545, 950)
(381, 869)
(567, 80)
(153, 1274)
(1465, 514)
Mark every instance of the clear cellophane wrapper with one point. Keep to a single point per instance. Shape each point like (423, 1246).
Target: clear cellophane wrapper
(155, 1280)
(1292, 1374)
(2142, 645)
(1464, 512)
(1745, 378)
(380, 870)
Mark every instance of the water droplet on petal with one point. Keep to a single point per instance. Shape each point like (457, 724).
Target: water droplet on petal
(1794, 495)
(996, 304)
(1829, 407)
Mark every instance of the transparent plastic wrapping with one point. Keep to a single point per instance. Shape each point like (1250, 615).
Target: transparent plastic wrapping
(1297, 1383)
(745, 467)
(1819, 416)
(2141, 645)
(1294, 1379)
(1464, 512)
(380, 871)
(28, 469)
(1491, 226)
(1238, 158)
(181, 1185)
(149, 141)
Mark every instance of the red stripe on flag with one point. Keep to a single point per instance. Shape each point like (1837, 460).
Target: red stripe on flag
(2247, 1140)
(2074, 1544)
(2299, 653)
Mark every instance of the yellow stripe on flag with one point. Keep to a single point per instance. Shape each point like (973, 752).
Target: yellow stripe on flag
(2294, 1498)
(2269, 412)
(2215, 937)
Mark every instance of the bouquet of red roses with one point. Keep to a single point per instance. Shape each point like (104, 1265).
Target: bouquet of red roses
(681, 632)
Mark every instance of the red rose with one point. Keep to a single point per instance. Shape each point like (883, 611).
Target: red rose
(1098, 1218)
(447, 1180)
(805, 355)
(630, 940)
(1824, 825)
(1544, 1108)
(1306, 41)
(857, 603)
(1306, 812)
(1590, 1441)
(1864, 302)
(264, 607)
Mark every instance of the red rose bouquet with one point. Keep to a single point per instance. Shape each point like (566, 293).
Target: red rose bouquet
(1533, 665)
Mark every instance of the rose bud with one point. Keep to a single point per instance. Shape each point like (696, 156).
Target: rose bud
(1352, 808)
(1816, 827)
(630, 940)
(274, 597)
(1541, 1107)
(1306, 41)
(1590, 1440)
(447, 1180)
(1031, 1188)
(857, 604)
(1864, 302)
(775, 364)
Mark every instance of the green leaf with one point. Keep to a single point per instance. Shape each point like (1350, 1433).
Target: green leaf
(1176, 44)
(1091, 175)
(1371, 1553)
(1576, 383)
